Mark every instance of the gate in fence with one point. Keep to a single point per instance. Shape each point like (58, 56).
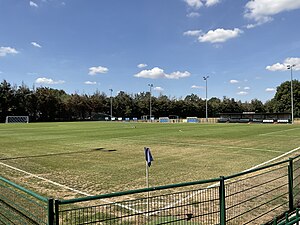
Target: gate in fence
(252, 197)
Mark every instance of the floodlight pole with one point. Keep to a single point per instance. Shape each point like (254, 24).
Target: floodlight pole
(151, 86)
(206, 116)
(111, 91)
(290, 67)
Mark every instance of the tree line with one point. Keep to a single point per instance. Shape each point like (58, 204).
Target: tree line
(48, 104)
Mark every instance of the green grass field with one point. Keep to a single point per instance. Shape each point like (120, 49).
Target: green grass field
(102, 157)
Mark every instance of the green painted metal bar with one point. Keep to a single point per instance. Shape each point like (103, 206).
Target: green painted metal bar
(24, 190)
(222, 202)
(50, 211)
(291, 185)
(56, 208)
(115, 194)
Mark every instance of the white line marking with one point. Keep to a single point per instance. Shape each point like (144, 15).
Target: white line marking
(213, 146)
(66, 187)
(283, 135)
(240, 148)
(47, 180)
(279, 131)
(228, 147)
(216, 184)
(274, 159)
(134, 210)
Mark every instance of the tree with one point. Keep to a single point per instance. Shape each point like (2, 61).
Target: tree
(49, 103)
(123, 105)
(230, 106)
(6, 99)
(99, 103)
(282, 98)
(214, 108)
(21, 101)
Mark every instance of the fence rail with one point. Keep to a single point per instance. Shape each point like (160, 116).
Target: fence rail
(21, 206)
(255, 196)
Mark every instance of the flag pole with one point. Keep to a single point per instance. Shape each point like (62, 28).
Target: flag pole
(149, 159)
(147, 175)
(147, 185)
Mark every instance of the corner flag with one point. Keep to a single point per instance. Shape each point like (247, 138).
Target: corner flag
(148, 156)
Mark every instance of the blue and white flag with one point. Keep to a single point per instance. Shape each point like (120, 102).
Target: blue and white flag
(148, 156)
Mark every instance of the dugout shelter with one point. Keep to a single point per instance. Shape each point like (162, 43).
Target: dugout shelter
(254, 117)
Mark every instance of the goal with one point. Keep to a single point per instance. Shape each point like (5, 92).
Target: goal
(17, 119)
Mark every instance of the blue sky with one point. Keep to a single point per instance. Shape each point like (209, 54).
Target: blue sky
(83, 46)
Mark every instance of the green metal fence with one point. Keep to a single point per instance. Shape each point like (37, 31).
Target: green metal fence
(289, 219)
(251, 197)
(21, 206)
(257, 196)
(172, 204)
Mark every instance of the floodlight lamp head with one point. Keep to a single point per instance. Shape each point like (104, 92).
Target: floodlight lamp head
(290, 66)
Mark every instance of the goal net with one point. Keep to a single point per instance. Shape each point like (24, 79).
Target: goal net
(17, 119)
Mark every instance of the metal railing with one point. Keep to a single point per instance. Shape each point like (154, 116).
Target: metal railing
(21, 206)
(255, 196)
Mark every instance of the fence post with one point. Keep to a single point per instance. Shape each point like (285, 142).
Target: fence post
(291, 178)
(50, 212)
(56, 203)
(222, 202)
(275, 221)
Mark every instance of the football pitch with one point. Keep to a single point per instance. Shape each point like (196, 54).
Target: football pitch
(72, 159)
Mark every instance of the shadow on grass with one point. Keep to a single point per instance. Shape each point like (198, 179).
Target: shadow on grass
(56, 154)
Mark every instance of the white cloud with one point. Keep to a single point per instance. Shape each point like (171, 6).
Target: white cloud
(142, 65)
(233, 81)
(211, 2)
(97, 69)
(33, 4)
(262, 11)
(193, 33)
(250, 26)
(242, 93)
(270, 89)
(276, 67)
(7, 50)
(36, 44)
(158, 89)
(153, 73)
(283, 66)
(177, 75)
(90, 82)
(193, 14)
(196, 87)
(156, 73)
(219, 35)
(194, 3)
(246, 88)
(44, 80)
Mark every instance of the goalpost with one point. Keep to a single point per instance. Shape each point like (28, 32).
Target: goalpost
(17, 119)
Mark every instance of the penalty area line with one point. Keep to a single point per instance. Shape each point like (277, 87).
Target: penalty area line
(278, 131)
(66, 187)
